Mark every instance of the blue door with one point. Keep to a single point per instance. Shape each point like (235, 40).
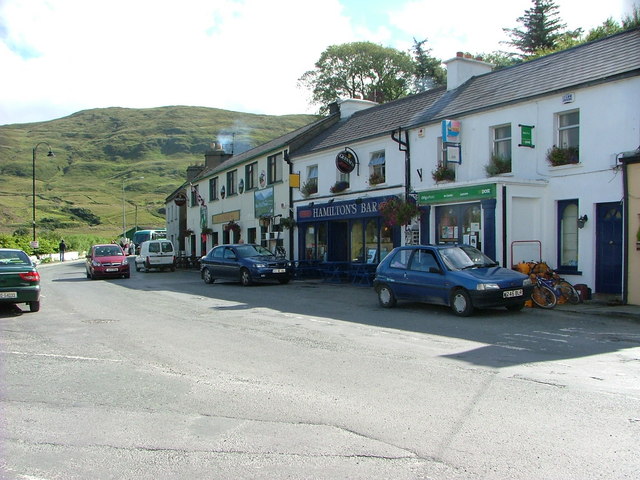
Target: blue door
(609, 248)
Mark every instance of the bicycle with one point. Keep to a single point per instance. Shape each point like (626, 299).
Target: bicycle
(547, 283)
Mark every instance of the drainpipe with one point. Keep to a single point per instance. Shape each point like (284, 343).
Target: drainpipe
(403, 146)
(289, 211)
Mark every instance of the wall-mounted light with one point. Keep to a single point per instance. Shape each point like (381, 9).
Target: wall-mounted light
(358, 201)
(582, 220)
(331, 201)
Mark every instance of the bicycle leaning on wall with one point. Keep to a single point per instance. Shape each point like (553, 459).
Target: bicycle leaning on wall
(550, 289)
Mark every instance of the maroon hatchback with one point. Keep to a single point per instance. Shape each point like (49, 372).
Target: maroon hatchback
(107, 260)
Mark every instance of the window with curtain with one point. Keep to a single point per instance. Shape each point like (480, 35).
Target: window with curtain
(377, 168)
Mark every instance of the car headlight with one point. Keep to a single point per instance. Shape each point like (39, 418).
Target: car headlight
(488, 286)
(527, 282)
(260, 265)
(96, 263)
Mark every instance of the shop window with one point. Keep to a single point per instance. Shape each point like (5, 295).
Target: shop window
(231, 182)
(315, 242)
(386, 241)
(568, 236)
(251, 176)
(371, 242)
(377, 168)
(357, 243)
(274, 168)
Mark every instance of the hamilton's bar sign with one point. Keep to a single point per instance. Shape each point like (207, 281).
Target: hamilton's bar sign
(365, 207)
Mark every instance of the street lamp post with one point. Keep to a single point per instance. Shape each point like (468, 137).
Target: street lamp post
(33, 204)
(124, 214)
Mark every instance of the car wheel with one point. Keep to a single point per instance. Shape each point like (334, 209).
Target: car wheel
(461, 303)
(34, 306)
(173, 268)
(515, 307)
(127, 275)
(245, 277)
(207, 277)
(386, 298)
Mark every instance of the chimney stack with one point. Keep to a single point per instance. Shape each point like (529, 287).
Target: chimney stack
(215, 155)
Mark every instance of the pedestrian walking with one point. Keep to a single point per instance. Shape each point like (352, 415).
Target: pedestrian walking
(62, 247)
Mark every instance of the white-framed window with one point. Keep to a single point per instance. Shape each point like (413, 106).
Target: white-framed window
(569, 129)
(274, 168)
(502, 141)
(232, 187)
(568, 236)
(377, 168)
(251, 176)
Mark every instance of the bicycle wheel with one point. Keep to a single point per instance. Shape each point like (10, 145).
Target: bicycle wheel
(543, 296)
(568, 292)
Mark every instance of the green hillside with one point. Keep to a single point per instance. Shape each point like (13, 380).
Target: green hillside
(80, 189)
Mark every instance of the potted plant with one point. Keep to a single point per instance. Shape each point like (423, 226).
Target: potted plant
(338, 187)
(375, 178)
(397, 211)
(264, 220)
(497, 165)
(187, 232)
(557, 156)
(443, 173)
(207, 231)
(309, 187)
(288, 222)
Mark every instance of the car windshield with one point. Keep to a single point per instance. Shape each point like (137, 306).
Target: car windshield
(108, 251)
(14, 258)
(253, 251)
(460, 258)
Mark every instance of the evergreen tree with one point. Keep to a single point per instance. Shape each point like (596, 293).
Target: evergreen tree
(429, 72)
(542, 29)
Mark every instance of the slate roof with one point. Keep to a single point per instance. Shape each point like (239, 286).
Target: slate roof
(599, 61)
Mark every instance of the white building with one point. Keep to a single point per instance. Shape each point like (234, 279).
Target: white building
(585, 101)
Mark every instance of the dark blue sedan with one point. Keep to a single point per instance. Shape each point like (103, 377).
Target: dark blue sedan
(461, 277)
(245, 263)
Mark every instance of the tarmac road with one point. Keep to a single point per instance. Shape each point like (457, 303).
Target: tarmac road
(161, 376)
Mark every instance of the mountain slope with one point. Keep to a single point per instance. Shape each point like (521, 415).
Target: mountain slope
(99, 151)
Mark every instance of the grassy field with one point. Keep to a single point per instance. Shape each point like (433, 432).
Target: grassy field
(80, 190)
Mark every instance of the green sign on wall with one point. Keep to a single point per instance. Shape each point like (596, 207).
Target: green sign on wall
(462, 194)
(526, 136)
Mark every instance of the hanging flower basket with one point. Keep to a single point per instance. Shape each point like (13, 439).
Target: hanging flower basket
(232, 227)
(396, 211)
(187, 232)
(207, 231)
(288, 222)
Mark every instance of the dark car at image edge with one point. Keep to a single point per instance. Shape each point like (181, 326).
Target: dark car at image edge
(19, 279)
(460, 277)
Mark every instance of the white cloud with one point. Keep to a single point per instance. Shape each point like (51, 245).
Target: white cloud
(61, 56)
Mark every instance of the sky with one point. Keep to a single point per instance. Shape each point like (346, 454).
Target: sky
(58, 57)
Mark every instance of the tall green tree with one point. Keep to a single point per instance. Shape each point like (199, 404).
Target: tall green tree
(359, 69)
(542, 29)
(429, 72)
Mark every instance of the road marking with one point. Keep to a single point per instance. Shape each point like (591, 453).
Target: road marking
(71, 357)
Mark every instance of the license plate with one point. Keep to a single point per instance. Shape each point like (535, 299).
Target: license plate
(8, 294)
(111, 269)
(279, 270)
(512, 293)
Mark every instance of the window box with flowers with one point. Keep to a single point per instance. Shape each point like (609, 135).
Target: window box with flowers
(232, 227)
(443, 173)
(338, 187)
(497, 165)
(375, 179)
(558, 156)
(309, 187)
(397, 211)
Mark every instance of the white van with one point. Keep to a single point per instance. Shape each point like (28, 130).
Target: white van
(156, 254)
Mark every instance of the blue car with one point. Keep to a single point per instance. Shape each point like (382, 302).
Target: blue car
(245, 263)
(461, 277)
